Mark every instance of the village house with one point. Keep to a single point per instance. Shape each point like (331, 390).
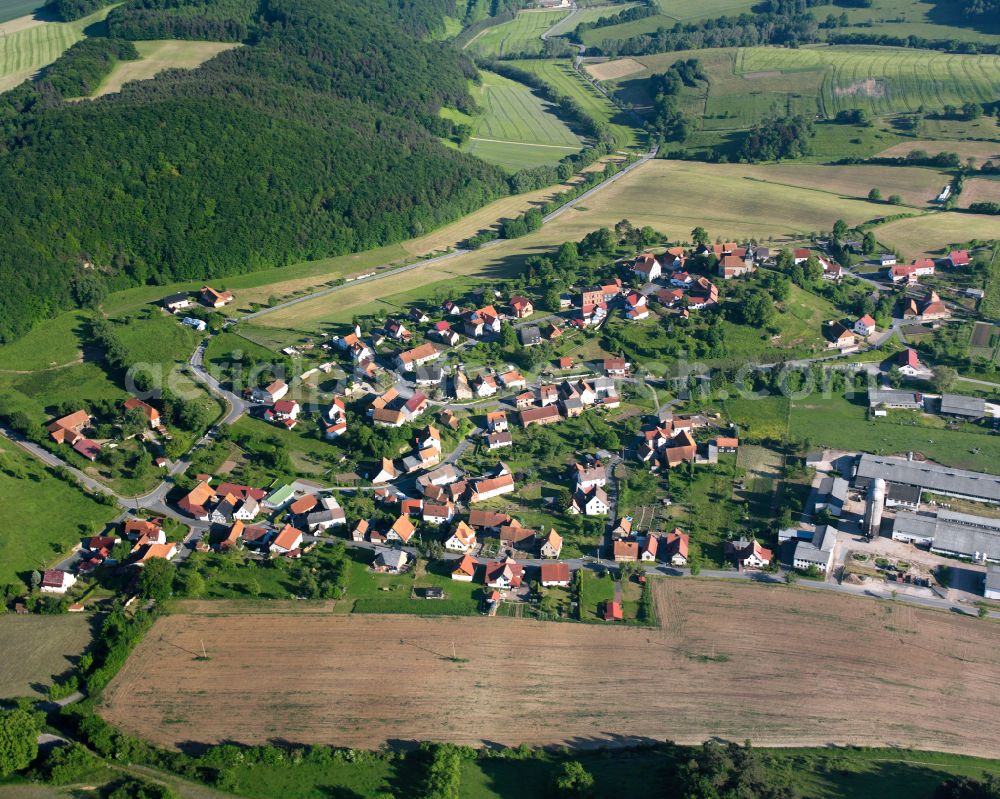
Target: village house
(287, 542)
(530, 335)
(616, 367)
(748, 554)
(909, 273)
(462, 538)
(589, 475)
(270, 393)
(703, 294)
(648, 547)
(486, 520)
(284, 412)
(438, 513)
(547, 415)
(496, 421)
(839, 337)
(460, 386)
(385, 473)
(514, 536)
(958, 258)
(176, 302)
(336, 418)
(647, 268)
(732, 266)
(481, 322)
(801, 255)
(636, 306)
(504, 574)
(626, 551)
(513, 380)
(152, 415)
(442, 332)
(56, 581)
(681, 448)
(465, 571)
(198, 501)
(623, 529)
(675, 548)
(483, 490)
(390, 561)
(67, 429)
(496, 441)
(396, 330)
(555, 575)
(215, 299)
(402, 530)
(864, 326)
(590, 502)
(418, 356)
(551, 545)
(521, 307)
(933, 308)
(485, 386)
(909, 363)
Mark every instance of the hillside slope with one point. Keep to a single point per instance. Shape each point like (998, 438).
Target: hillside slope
(310, 141)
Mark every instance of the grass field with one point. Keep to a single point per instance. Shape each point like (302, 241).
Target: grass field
(934, 233)
(52, 516)
(842, 423)
(29, 44)
(567, 680)
(520, 35)
(559, 74)
(671, 196)
(979, 190)
(45, 647)
(516, 129)
(917, 186)
(157, 56)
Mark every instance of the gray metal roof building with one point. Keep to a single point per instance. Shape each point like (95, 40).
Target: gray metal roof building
(951, 533)
(992, 587)
(960, 405)
(929, 477)
(893, 398)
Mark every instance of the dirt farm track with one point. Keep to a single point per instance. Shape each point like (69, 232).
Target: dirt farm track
(778, 665)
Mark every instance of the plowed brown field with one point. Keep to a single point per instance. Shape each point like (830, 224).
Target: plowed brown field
(778, 665)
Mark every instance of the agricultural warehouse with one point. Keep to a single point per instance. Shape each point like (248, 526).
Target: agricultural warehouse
(948, 533)
(894, 398)
(966, 407)
(992, 588)
(928, 476)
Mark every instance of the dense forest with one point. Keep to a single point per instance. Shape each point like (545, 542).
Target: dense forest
(305, 143)
(220, 20)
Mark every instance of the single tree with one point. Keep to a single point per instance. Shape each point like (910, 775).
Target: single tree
(156, 579)
(699, 236)
(875, 195)
(573, 780)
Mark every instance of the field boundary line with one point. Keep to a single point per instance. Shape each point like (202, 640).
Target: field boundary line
(525, 143)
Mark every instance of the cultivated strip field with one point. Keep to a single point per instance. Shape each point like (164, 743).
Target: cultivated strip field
(12, 9)
(776, 665)
(46, 646)
(882, 80)
(157, 56)
(561, 76)
(28, 45)
(591, 14)
(516, 128)
(520, 35)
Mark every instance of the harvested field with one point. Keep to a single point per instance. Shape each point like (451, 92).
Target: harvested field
(917, 186)
(157, 56)
(738, 657)
(980, 150)
(980, 190)
(46, 647)
(935, 233)
(613, 70)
